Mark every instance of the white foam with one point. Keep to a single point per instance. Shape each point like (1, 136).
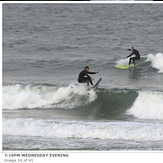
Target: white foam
(81, 129)
(148, 105)
(17, 96)
(156, 61)
(123, 61)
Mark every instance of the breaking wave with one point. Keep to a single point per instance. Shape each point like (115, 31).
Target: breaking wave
(148, 105)
(44, 96)
(83, 129)
(156, 61)
(140, 104)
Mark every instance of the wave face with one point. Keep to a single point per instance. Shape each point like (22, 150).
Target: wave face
(156, 61)
(82, 129)
(148, 105)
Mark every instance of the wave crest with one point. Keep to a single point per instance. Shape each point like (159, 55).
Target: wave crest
(148, 105)
(157, 61)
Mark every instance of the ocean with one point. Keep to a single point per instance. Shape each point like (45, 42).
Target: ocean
(46, 46)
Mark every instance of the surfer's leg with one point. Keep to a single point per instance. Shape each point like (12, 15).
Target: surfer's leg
(135, 58)
(133, 61)
(130, 61)
(89, 80)
(85, 80)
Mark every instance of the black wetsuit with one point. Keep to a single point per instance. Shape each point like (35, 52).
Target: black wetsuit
(134, 58)
(83, 79)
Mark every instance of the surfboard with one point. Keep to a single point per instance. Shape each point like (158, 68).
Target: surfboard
(96, 85)
(124, 66)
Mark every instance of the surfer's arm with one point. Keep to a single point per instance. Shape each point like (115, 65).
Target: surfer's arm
(86, 74)
(130, 55)
(89, 77)
(93, 72)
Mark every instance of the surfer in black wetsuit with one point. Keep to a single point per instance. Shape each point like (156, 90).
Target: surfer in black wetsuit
(87, 79)
(137, 57)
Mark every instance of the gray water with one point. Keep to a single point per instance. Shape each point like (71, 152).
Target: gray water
(45, 46)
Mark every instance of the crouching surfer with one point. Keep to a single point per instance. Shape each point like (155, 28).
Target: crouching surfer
(84, 77)
(137, 56)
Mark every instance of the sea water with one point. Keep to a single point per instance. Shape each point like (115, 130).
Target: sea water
(45, 46)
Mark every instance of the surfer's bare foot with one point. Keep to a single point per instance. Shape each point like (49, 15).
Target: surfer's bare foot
(127, 65)
(93, 85)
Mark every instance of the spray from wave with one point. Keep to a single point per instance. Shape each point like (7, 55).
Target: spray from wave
(123, 61)
(156, 61)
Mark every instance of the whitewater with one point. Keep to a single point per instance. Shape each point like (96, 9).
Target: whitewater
(85, 130)
(40, 96)
(156, 61)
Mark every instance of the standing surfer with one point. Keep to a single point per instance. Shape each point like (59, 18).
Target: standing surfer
(87, 79)
(135, 52)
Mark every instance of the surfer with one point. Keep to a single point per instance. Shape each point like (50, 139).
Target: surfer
(137, 57)
(87, 79)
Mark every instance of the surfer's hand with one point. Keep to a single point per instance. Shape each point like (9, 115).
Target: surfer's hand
(92, 78)
(125, 57)
(97, 72)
